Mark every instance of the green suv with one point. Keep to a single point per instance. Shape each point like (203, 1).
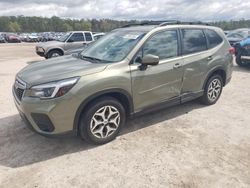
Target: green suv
(131, 70)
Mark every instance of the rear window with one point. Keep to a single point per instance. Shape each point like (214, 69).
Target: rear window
(88, 37)
(193, 41)
(213, 38)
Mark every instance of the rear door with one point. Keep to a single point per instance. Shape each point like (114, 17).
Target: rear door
(89, 37)
(195, 56)
(76, 40)
(162, 82)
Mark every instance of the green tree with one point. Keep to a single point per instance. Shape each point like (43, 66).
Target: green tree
(86, 25)
(67, 27)
(14, 27)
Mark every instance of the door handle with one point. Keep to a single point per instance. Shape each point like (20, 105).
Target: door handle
(209, 58)
(177, 65)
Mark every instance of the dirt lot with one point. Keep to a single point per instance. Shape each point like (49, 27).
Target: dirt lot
(185, 146)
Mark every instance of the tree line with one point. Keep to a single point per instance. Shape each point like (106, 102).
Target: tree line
(40, 24)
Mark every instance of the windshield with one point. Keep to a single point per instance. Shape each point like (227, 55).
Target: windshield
(64, 37)
(114, 46)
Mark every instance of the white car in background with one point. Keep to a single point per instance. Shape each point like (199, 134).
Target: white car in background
(69, 41)
(98, 36)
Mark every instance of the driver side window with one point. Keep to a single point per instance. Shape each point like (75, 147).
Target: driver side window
(77, 37)
(163, 44)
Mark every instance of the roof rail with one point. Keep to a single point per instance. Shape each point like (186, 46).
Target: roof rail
(150, 23)
(165, 22)
(185, 23)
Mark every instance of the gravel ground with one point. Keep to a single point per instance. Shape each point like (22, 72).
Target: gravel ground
(184, 146)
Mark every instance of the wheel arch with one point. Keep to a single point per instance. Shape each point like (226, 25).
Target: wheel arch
(218, 70)
(121, 95)
(59, 49)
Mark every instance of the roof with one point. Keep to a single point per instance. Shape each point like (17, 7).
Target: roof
(150, 25)
(139, 28)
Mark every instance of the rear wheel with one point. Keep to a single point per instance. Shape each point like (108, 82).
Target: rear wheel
(54, 53)
(240, 62)
(102, 121)
(213, 90)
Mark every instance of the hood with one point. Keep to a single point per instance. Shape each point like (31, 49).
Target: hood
(57, 69)
(49, 44)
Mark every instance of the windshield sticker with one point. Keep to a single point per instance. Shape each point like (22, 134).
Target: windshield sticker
(131, 36)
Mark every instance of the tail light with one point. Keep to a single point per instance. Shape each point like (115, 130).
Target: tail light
(232, 50)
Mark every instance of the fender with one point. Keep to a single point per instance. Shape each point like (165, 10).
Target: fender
(54, 48)
(210, 73)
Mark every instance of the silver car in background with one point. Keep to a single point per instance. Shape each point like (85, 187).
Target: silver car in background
(70, 41)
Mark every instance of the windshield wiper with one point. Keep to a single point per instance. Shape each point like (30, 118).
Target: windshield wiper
(90, 58)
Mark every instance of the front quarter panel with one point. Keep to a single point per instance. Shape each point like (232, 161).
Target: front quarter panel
(115, 76)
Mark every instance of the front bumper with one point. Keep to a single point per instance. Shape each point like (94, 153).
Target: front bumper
(40, 51)
(61, 119)
(40, 54)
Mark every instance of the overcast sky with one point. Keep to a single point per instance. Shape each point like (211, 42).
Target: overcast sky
(206, 10)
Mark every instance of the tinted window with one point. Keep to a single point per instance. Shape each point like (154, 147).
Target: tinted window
(194, 41)
(88, 37)
(164, 45)
(77, 37)
(213, 38)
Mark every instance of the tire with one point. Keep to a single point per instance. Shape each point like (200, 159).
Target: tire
(213, 90)
(98, 111)
(54, 53)
(239, 61)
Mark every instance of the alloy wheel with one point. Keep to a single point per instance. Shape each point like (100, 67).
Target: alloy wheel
(214, 90)
(55, 55)
(105, 122)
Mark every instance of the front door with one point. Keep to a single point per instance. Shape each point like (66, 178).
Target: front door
(162, 82)
(75, 41)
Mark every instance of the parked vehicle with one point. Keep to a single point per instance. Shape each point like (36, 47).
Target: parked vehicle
(226, 32)
(129, 71)
(12, 38)
(2, 39)
(23, 37)
(238, 35)
(242, 52)
(98, 36)
(69, 41)
(79, 50)
(33, 37)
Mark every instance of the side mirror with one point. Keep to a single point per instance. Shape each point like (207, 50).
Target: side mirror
(149, 60)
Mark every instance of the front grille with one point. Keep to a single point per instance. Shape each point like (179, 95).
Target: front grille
(19, 88)
(19, 93)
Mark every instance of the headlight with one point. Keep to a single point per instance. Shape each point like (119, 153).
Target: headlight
(53, 89)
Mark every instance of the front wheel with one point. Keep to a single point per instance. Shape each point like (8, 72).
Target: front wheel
(213, 90)
(54, 53)
(102, 121)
